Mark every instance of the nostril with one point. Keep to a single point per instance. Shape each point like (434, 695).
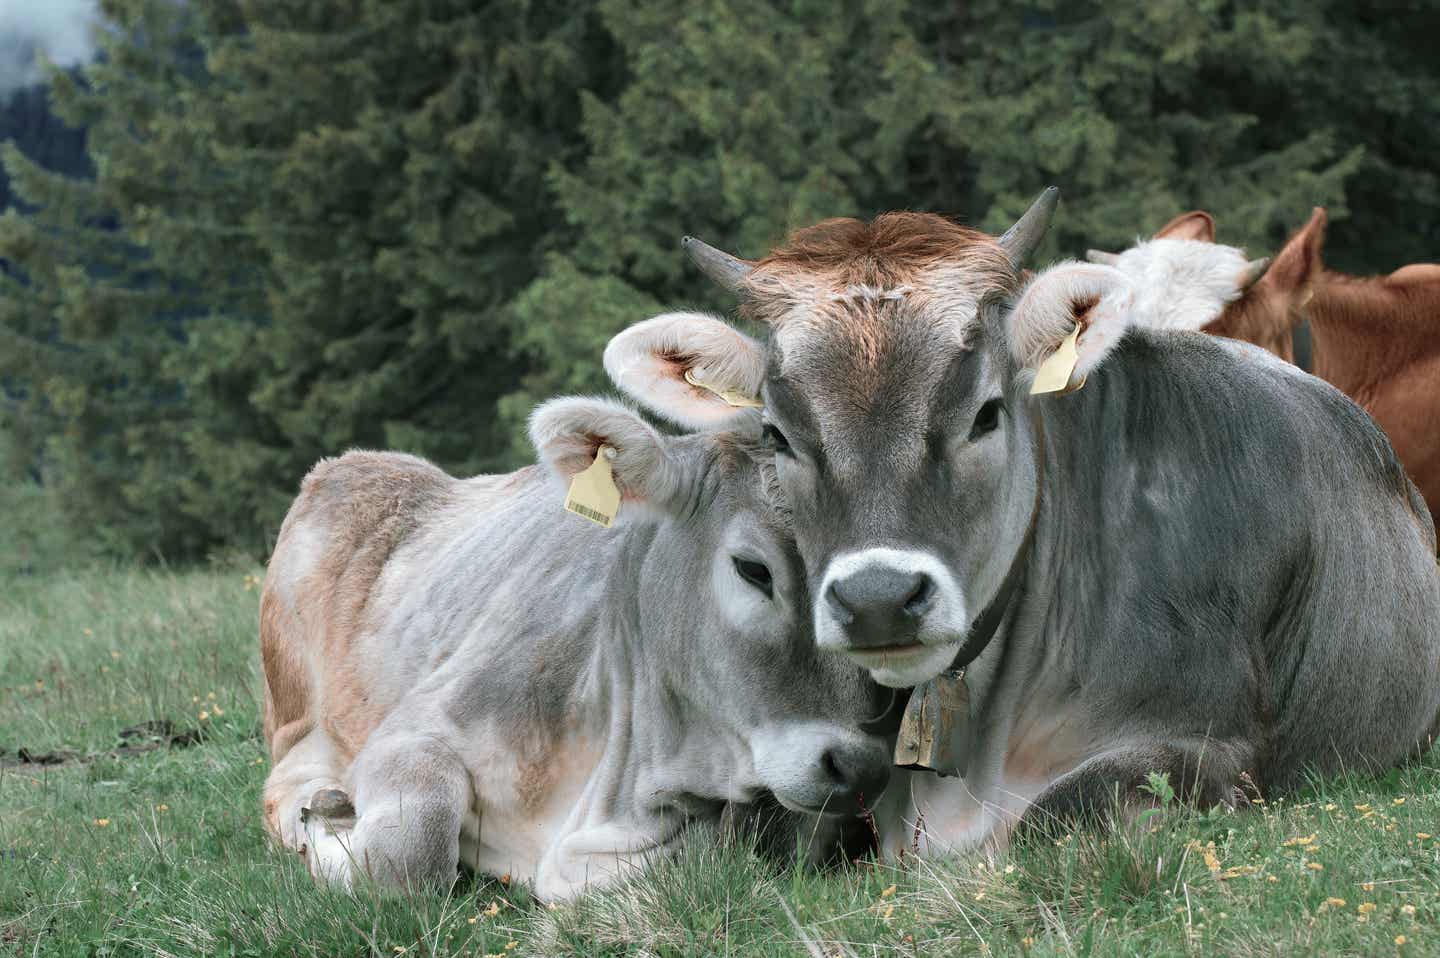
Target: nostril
(832, 768)
(920, 598)
(841, 611)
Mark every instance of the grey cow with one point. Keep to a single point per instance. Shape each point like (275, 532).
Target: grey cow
(1203, 562)
(502, 684)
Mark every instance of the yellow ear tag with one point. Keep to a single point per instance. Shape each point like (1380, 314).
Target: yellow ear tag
(593, 493)
(731, 398)
(1054, 373)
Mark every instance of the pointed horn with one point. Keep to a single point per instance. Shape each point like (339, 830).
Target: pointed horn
(1021, 239)
(727, 270)
(1252, 272)
(1102, 257)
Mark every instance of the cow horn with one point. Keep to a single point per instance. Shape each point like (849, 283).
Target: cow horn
(1102, 257)
(1252, 272)
(1021, 239)
(727, 270)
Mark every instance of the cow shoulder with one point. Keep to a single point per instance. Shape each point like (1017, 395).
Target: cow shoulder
(353, 512)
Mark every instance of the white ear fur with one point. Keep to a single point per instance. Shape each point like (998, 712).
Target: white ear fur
(1054, 302)
(1181, 283)
(648, 362)
(568, 433)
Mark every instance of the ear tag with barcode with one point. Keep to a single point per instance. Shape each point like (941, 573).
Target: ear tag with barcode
(730, 397)
(593, 493)
(1054, 373)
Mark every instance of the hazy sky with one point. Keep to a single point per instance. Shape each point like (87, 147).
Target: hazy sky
(59, 28)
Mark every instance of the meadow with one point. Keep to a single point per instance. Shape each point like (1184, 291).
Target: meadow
(131, 764)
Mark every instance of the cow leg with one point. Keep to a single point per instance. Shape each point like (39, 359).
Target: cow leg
(311, 766)
(1204, 774)
(409, 799)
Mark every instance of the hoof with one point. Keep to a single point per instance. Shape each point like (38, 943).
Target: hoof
(331, 804)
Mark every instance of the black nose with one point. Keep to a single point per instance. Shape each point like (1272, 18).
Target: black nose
(880, 601)
(858, 774)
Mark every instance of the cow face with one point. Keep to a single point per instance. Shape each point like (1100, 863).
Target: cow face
(722, 614)
(895, 393)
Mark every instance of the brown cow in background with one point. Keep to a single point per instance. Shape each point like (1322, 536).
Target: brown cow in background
(1376, 338)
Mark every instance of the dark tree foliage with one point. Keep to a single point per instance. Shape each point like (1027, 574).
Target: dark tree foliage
(319, 224)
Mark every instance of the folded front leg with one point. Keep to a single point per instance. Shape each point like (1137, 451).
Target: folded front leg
(1204, 774)
(410, 797)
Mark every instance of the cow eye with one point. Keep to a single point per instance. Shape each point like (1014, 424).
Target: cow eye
(776, 438)
(986, 419)
(755, 573)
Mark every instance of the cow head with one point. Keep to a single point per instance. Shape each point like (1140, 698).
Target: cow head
(721, 615)
(1183, 279)
(895, 385)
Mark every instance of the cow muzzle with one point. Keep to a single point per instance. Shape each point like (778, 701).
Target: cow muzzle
(898, 613)
(821, 769)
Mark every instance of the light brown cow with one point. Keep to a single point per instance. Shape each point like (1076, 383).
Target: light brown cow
(1376, 338)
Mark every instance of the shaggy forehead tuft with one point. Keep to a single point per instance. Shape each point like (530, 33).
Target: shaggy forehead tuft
(893, 255)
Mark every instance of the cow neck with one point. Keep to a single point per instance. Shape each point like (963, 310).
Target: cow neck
(988, 624)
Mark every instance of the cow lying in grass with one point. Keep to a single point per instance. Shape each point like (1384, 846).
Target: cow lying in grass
(500, 684)
(1375, 338)
(1203, 563)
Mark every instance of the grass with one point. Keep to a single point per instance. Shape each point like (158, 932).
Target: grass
(161, 852)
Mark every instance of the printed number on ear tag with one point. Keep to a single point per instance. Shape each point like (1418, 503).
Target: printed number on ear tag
(730, 396)
(1054, 373)
(593, 493)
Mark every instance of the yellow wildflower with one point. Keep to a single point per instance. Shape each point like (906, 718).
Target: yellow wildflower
(219, 711)
(1367, 886)
(1365, 907)
(1300, 840)
(1271, 878)
(1399, 801)
(1400, 939)
(1363, 807)
(1422, 835)
(87, 631)
(511, 945)
(102, 822)
(889, 910)
(1009, 869)
(1335, 902)
(204, 715)
(888, 892)
(1315, 866)
(1330, 806)
(1027, 942)
(474, 918)
(162, 807)
(493, 910)
(1408, 911)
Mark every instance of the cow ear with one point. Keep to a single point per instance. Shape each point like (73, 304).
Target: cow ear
(1098, 299)
(1194, 225)
(1299, 260)
(568, 434)
(689, 368)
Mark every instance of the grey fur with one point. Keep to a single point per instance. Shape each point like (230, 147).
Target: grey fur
(544, 678)
(1231, 572)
